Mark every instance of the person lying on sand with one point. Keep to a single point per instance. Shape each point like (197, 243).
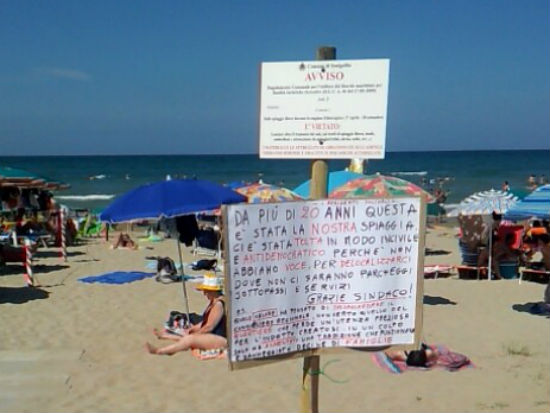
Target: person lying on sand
(417, 358)
(209, 334)
(124, 241)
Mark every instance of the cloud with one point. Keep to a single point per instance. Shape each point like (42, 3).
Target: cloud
(64, 73)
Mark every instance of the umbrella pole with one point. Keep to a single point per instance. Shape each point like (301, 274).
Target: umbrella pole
(183, 281)
(490, 252)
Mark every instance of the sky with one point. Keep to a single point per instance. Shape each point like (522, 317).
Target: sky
(182, 77)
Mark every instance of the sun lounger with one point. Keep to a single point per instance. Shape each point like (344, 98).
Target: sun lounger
(540, 276)
(470, 272)
(437, 271)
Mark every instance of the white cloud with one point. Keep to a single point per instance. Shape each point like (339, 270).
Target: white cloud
(64, 73)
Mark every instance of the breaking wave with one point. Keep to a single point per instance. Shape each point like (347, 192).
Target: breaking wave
(421, 173)
(93, 197)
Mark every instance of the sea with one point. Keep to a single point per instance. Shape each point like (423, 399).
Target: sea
(96, 180)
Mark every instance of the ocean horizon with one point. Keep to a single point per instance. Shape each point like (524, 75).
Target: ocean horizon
(97, 179)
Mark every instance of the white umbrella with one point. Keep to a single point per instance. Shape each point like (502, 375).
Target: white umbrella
(485, 203)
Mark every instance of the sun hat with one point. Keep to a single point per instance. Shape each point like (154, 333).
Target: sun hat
(211, 282)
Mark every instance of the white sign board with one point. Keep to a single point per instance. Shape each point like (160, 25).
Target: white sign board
(317, 274)
(324, 109)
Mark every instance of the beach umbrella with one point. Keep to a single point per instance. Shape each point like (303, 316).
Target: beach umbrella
(485, 203)
(335, 179)
(25, 179)
(10, 174)
(170, 199)
(536, 204)
(261, 192)
(379, 186)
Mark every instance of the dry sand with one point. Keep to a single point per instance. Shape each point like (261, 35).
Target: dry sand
(76, 347)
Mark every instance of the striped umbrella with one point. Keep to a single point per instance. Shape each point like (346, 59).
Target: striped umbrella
(379, 186)
(261, 192)
(536, 204)
(485, 203)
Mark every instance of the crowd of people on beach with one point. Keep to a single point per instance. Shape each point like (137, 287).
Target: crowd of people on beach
(30, 213)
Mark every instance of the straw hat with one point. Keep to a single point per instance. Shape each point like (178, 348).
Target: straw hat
(211, 282)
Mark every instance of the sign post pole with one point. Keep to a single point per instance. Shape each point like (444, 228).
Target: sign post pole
(318, 189)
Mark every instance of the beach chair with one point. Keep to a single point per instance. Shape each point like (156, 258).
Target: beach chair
(90, 227)
(207, 242)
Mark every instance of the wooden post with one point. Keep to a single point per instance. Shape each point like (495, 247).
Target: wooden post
(318, 189)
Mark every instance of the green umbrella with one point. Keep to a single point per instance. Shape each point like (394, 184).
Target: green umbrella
(25, 179)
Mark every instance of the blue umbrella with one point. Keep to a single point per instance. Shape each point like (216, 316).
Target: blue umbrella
(536, 204)
(335, 179)
(168, 199)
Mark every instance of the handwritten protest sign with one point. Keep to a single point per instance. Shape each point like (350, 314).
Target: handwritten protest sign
(321, 274)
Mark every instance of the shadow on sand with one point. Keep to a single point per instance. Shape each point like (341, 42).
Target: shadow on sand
(428, 299)
(429, 251)
(55, 254)
(20, 295)
(537, 309)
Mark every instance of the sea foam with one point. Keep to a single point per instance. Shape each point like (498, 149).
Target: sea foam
(93, 197)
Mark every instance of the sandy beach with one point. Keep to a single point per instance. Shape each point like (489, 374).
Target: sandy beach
(68, 346)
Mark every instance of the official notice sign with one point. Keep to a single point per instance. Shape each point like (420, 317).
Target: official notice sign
(319, 274)
(324, 109)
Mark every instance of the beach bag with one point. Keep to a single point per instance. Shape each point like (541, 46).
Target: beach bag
(166, 270)
(205, 264)
(177, 321)
(166, 266)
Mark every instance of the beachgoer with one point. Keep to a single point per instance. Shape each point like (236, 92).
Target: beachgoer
(503, 250)
(124, 241)
(506, 186)
(544, 249)
(416, 358)
(209, 334)
(531, 182)
(536, 228)
(440, 198)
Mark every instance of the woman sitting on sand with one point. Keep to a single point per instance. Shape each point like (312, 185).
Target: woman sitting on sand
(124, 241)
(209, 334)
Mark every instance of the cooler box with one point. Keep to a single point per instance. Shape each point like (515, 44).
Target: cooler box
(508, 269)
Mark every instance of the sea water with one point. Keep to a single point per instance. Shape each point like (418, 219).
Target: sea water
(96, 180)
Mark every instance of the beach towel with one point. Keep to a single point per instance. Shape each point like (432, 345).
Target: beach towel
(151, 238)
(212, 354)
(473, 229)
(117, 277)
(446, 359)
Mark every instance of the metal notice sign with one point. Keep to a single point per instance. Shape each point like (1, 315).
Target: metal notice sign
(330, 109)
